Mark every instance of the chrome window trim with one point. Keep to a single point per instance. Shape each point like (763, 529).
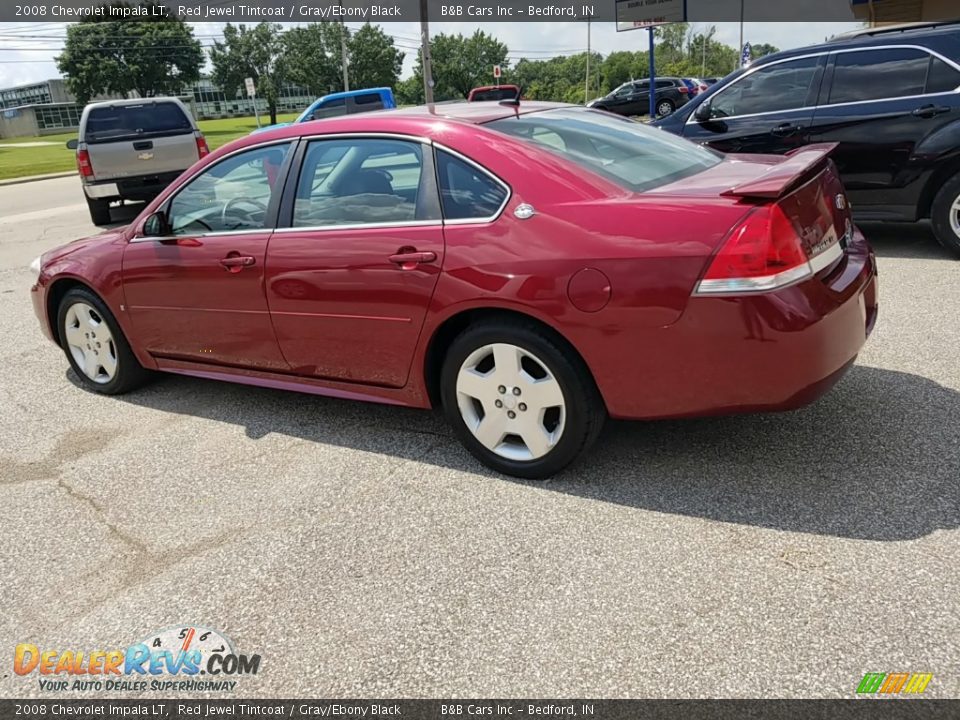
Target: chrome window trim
(496, 179)
(693, 121)
(169, 238)
(359, 226)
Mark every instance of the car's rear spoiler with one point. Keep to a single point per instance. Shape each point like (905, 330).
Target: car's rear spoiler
(783, 177)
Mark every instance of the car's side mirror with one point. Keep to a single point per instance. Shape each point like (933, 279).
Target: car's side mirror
(156, 225)
(72, 144)
(703, 112)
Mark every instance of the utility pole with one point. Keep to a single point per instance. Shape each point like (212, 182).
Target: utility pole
(343, 54)
(425, 53)
(740, 48)
(586, 85)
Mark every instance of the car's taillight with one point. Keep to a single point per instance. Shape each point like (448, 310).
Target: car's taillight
(683, 90)
(84, 166)
(763, 253)
(202, 149)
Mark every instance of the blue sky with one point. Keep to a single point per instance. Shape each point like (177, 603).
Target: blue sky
(27, 49)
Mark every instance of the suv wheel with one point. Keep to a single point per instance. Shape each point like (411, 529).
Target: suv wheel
(95, 347)
(664, 108)
(945, 214)
(518, 401)
(99, 211)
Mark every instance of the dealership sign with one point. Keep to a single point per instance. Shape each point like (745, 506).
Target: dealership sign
(633, 14)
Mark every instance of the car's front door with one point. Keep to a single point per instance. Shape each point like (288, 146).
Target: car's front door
(768, 110)
(880, 105)
(350, 278)
(193, 283)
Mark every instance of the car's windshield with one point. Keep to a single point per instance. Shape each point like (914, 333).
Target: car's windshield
(133, 122)
(629, 153)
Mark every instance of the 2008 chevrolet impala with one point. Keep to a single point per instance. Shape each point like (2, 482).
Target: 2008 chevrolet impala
(532, 269)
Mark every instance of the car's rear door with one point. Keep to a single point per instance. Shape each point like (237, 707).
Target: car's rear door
(880, 104)
(194, 288)
(767, 110)
(352, 271)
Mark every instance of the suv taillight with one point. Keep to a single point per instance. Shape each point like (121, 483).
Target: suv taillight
(83, 164)
(202, 149)
(683, 89)
(763, 253)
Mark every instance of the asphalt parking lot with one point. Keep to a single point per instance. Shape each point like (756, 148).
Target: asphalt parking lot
(362, 553)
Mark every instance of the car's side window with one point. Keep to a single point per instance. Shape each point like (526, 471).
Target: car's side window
(361, 181)
(773, 88)
(878, 74)
(942, 77)
(232, 195)
(466, 192)
(333, 108)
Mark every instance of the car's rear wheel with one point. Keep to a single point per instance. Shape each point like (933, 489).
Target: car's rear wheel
(95, 346)
(99, 211)
(522, 404)
(664, 108)
(945, 215)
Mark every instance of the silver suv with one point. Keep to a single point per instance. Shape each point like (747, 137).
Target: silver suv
(133, 149)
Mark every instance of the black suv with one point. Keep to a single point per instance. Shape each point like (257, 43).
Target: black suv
(889, 96)
(633, 98)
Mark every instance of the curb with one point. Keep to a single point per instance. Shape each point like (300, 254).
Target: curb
(36, 178)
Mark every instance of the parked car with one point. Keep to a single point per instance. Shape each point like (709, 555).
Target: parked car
(343, 103)
(693, 86)
(133, 149)
(890, 98)
(522, 267)
(633, 98)
(494, 93)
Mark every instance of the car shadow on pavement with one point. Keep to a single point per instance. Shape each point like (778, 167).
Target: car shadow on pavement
(878, 458)
(905, 240)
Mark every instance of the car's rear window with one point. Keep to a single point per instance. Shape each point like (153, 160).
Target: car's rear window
(132, 122)
(495, 94)
(629, 153)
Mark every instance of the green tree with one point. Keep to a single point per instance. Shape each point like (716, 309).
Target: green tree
(462, 63)
(313, 57)
(150, 56)
(257, 53)
(373, 61)
(760, 50)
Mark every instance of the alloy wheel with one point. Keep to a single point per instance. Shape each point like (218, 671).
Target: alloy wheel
(90, 343)
(664, 109)
(511, 402)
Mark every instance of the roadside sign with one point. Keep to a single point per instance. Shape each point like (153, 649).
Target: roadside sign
(746, 55)
(497, 72)
(636, 14)
(251, 88)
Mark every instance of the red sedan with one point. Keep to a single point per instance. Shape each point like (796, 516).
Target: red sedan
(532, 269)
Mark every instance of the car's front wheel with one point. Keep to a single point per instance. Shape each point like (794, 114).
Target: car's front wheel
(95, 346)
(945, 215)
(521, 403)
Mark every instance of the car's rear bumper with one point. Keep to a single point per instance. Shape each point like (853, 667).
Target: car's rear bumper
(142, 187)
(764, 352)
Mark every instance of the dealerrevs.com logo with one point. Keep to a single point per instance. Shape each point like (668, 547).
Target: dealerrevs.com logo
(187, 658)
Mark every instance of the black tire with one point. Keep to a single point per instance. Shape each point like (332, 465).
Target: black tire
(669, 108)
(99, 211)
(585, 414)
(940, 215)
(130, 374)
